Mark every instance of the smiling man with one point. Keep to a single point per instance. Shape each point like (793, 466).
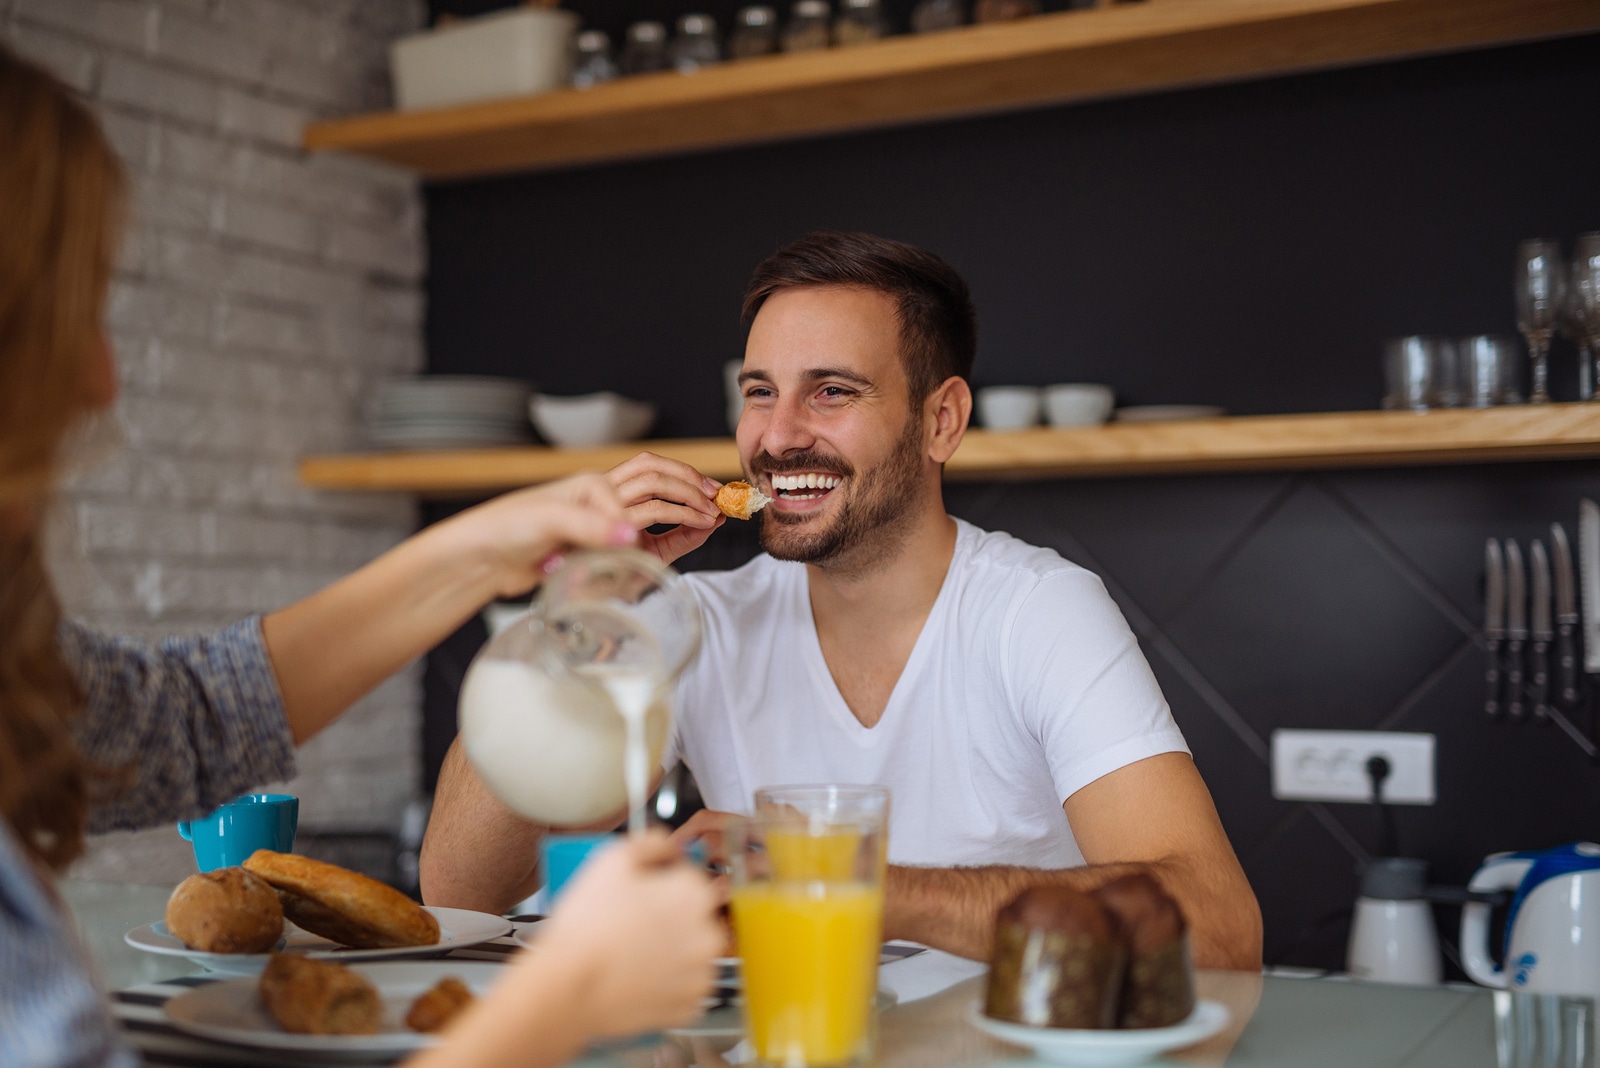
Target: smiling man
(993, 686)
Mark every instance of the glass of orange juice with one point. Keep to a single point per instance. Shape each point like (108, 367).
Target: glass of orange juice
(807, 902)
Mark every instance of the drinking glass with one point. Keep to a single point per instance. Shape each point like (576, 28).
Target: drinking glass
(1583, 312)
(1541, 285)
(1490, 370)
(807, 904)
(1420, 373)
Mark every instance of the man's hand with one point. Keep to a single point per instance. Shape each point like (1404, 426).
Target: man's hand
(707, 828)
(657, 490)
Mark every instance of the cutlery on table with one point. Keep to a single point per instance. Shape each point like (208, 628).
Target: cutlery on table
(1494, 627)
(1541, 630)
(1516, 626)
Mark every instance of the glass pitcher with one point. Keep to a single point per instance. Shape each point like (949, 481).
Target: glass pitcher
(566, 711)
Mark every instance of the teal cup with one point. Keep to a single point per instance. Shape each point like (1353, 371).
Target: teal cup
(563, 855)
(242, 826)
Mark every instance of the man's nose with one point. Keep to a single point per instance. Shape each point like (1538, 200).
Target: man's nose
(788, 429)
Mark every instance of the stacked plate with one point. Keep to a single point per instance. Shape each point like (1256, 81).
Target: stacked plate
(450, 412)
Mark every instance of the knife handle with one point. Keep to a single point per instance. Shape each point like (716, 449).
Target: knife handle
(1514, 706)
(1539, 688)
(1491, 678)
(1566, 666)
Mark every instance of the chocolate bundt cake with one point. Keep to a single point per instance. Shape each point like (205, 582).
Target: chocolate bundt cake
(1058, 961)
(1158, 987)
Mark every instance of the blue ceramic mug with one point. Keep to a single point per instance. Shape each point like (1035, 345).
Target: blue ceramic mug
(563, 855)
(242, 826)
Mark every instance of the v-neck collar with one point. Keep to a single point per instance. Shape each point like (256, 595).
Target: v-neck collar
(817, 663)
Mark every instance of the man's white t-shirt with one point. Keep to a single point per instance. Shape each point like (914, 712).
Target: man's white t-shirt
(1024, 686)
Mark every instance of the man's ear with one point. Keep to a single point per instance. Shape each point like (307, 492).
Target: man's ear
(948, 410)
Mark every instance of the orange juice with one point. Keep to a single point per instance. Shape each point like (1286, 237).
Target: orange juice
(810, 954)
(797, 855)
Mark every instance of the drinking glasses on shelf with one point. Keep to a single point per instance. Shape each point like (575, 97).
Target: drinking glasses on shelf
(1490, 370)
(1420, 373)
(1583, 312)
(1541, 286)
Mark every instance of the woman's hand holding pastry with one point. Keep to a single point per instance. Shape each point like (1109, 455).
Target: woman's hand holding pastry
(656, 490)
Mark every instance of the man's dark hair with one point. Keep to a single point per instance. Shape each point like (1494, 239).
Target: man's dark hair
(938, 325)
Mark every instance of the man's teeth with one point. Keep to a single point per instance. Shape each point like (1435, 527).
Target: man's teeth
(790, 483)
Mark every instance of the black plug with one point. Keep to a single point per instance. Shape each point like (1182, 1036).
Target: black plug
(1378, 769)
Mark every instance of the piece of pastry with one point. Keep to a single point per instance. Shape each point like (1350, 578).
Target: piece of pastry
(225, 911)
(1058, 961)
(1158, 989)
(740, 500)
(319, 997)
(344, 906)
(439, 1005)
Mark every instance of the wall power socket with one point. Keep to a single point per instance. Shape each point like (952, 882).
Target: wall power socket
(1332, 766)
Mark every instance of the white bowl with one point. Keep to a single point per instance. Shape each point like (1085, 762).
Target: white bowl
(1009, 407)
(590, 420)
(1078, 404)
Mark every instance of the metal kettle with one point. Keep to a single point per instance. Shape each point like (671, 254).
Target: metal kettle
(1552, 927)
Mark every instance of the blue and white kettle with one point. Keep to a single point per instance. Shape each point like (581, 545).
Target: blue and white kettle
(1552, 928)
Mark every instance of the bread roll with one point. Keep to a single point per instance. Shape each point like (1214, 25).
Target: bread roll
(344, 906)
(1058, 961)
(319, 997)
(437, 1006)
(225, 911)
(740, 500)
(1158, 989)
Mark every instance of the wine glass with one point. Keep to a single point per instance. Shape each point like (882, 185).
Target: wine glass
(1583, 310)
(1541, 286)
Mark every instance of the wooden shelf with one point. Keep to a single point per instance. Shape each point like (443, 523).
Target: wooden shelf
(1243, 443)
(1052, 59)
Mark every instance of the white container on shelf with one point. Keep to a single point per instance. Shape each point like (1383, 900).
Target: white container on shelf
(517, 52)
(1009, 407)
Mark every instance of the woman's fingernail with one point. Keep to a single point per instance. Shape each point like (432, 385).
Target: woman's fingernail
(624, 534)
(552, 563)
(711, 486)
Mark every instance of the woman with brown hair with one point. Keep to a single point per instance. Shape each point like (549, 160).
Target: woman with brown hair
(101, 734)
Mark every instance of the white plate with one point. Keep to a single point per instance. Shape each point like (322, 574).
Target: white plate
(1108, 1048)
(230, 1010)
(458, 928)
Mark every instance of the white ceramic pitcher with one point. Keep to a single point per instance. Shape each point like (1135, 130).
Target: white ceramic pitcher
(1553, 926)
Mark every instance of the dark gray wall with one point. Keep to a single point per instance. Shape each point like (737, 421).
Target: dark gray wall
(1247, 246)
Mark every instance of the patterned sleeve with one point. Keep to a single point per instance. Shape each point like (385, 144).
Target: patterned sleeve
(185, 725)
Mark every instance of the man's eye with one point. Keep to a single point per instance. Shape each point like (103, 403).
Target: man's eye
(758, 391)
(835, 391)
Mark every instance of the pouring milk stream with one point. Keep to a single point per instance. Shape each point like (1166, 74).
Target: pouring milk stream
(564, 712)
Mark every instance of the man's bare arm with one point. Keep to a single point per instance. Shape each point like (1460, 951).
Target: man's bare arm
(1154, 816)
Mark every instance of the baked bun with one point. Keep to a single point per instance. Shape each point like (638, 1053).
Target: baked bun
(740, 500)
(440, 1004)
(1158, 989)
(225, 911)
(1058, 961)
(342, 905)
(319, 997)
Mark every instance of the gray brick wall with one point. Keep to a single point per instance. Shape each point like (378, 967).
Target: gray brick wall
(261, 294)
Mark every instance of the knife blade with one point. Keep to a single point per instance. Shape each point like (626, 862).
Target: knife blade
(1541, 631)
(1566, 619)
(1516, 626)
(1589, 565)
(1494, 621)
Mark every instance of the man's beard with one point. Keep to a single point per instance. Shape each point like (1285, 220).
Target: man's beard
(870, 524)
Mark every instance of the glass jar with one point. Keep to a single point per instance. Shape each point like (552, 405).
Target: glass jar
(859, 22)
(646, 49)
(696, 44)
(755, 32)
(594, 65)
(931, 16)
(808, 26)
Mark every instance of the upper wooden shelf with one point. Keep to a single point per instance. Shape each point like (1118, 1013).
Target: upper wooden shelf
(1257, 443)
(1052, 59)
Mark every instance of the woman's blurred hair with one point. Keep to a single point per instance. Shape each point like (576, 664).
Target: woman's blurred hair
(62, 193)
